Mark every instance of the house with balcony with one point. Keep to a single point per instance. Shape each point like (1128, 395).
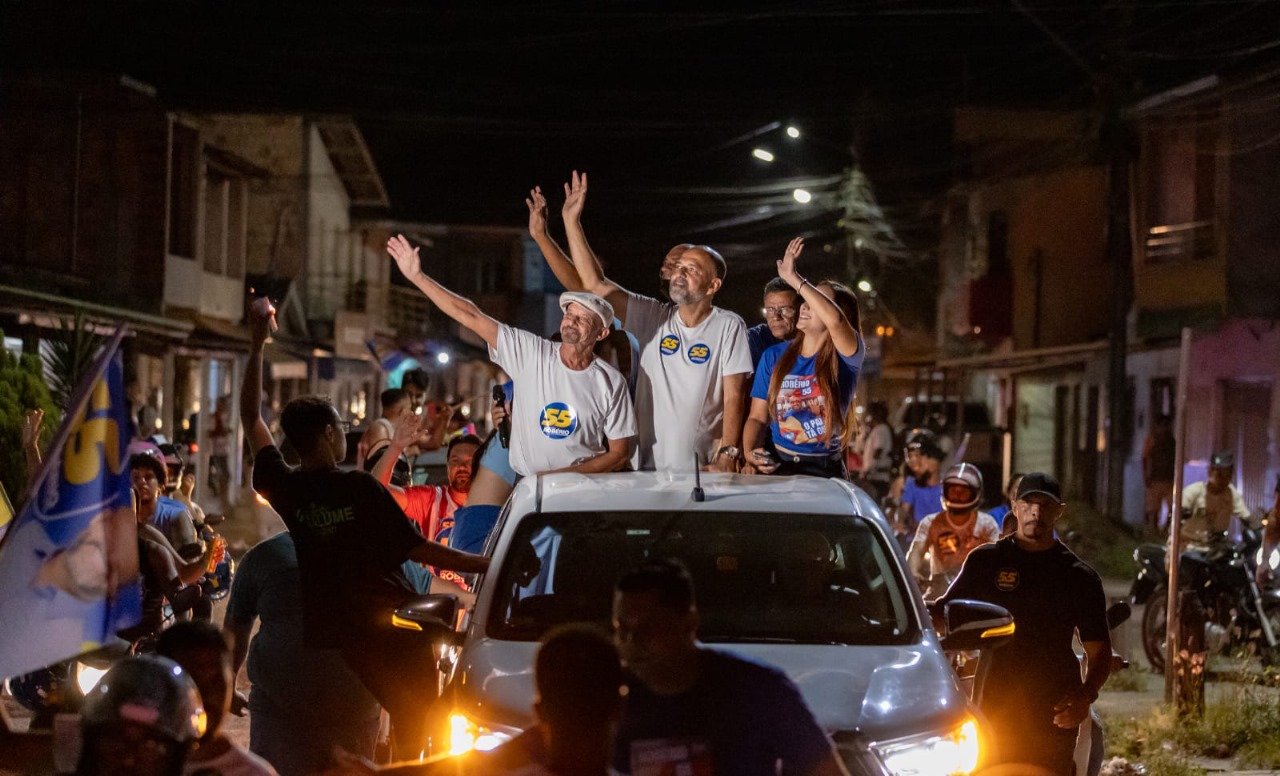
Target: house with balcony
(1023, 314)
(121, 210)
(1207, 257)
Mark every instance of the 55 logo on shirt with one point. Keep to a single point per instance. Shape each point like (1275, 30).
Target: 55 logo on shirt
(669, 344)
(558, 420)
(699, 353)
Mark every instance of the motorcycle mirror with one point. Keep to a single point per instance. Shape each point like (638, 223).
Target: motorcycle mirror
(972, 625)
(433, 615)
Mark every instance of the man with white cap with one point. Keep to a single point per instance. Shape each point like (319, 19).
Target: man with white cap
(572, 411)
(694, 357)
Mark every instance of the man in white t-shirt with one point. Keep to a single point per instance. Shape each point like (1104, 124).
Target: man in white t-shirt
(694, 357)
(572, 411)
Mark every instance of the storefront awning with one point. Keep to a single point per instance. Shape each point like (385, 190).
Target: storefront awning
(283, 365)
(46, 310)
(216, 334)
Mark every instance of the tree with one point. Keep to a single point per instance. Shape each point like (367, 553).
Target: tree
(22, 389)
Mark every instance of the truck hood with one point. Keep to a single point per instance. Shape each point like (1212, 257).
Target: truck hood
(882, 692)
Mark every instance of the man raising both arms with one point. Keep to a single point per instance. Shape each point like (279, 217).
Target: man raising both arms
(694, 358)
(572, 412)
(351, 540)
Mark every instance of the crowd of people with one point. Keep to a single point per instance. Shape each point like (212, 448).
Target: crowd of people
(629, 382)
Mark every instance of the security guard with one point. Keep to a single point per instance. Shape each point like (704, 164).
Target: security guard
(1033, 697)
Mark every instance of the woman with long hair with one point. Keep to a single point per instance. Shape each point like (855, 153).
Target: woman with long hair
(803, 390)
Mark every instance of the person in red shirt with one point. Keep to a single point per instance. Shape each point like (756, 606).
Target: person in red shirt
(431, 507)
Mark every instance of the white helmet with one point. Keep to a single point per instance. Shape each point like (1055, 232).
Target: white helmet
(962, 474)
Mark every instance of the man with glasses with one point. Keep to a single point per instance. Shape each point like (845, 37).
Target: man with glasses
(1034, 697)
(781, 306)
(694, 357)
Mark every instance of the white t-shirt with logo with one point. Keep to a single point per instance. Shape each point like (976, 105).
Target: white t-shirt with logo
(560, 416)
(680, 393)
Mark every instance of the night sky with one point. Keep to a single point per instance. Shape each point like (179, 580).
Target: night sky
(465, 105)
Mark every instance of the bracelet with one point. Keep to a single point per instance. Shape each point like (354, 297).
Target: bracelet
(803, 282)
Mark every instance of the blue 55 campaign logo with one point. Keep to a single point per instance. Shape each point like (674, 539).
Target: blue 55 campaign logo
(670, 344)
(558, 420)
(699, 353)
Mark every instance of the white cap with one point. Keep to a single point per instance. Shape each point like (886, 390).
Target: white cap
(595, 304)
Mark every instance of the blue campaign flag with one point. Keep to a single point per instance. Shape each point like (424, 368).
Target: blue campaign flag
(69, 561)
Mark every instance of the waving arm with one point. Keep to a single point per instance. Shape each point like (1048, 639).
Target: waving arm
(457, 307)
(843, 335)
(584, 259)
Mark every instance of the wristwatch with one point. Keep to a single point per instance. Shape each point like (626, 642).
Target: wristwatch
(732, 452)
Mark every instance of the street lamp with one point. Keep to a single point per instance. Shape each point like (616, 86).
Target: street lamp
(864, 286)
(442, 357)
(802, 196)
(762, 155)
(793, 133)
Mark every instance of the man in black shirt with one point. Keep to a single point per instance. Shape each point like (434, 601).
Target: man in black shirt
(1034, 697)
(351, 538)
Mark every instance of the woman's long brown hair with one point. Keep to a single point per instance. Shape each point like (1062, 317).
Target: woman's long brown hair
(826, 366)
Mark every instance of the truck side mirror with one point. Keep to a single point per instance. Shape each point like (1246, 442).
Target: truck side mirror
(974, 625)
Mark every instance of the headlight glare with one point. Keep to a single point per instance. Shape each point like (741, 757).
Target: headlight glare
(953, 752)
(87, 677)
(466, 734)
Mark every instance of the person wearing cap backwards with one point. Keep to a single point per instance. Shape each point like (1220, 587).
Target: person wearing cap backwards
(1212, 503)
(694, 357)
(922, 483)
(950, 535)
(573, 411)
(1034, 698)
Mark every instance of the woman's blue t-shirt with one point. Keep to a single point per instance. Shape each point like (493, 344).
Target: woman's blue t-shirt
(796, 419)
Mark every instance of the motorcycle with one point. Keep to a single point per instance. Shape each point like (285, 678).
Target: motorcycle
(1238, 613)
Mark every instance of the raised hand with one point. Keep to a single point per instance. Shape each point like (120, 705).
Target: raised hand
(787, 264)
(575, 197)
(537, 212)
(31, 427)
(406, 256)
(262, 319)
(408, 429)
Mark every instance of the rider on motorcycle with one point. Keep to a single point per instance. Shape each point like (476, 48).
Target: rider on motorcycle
(1208, 506)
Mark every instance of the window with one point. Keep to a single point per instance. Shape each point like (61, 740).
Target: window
(796, 578)
(183, 190)
(997, 243)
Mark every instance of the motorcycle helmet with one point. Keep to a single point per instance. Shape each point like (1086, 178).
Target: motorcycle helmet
(1222, 459)
(150, 691)
(965, 474)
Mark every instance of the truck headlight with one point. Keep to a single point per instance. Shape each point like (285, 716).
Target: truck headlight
(87, 677)
(466, 734)
(952, 752)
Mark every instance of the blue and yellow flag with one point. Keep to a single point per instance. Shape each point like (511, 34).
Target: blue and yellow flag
(69, 561)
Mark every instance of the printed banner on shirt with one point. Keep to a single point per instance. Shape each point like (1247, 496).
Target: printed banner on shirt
(69, 561)
(799, 408)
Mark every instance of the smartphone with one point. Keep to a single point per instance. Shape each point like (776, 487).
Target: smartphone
(262, 305)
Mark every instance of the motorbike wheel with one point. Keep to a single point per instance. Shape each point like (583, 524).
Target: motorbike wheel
(1270, 656)
(1153, 628)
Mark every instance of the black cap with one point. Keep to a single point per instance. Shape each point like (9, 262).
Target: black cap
(1039, 482)
(1222, 459)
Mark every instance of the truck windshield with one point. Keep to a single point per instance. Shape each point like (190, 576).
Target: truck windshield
(770, 578)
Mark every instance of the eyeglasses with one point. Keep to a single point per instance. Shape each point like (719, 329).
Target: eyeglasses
(778, 312)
